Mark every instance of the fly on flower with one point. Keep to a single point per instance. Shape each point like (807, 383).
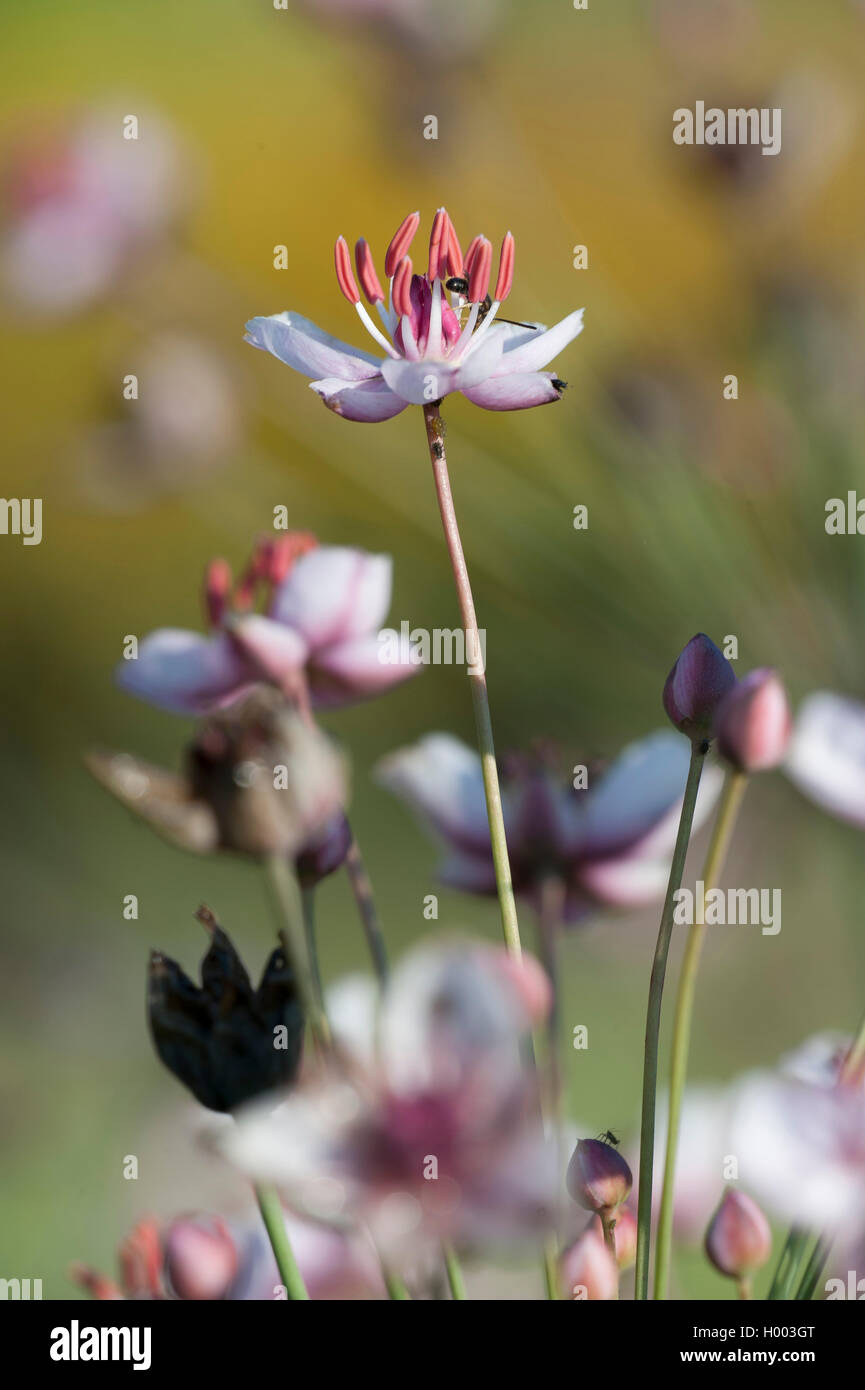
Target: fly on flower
(431, 346)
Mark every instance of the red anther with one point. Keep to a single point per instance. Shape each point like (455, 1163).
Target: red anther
(285, 552)
(470, 254)
(140, 1259)
(455, 254)
(96, 1284)
(506, 269)
(401, 294)
(402, 240)
(344, 273)
(438, 245)
(217, 587)
(479, 275)
(366, 273)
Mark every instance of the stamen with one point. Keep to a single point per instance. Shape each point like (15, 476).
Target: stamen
(401, 292)
(434, 335)
(506, 270)
(344, 275)
(373, 331)
(471, 253)
(455, 255)
(463, 340)
(217, 587)
(479, 276)
(438, 245)
(401, 241)
(366, 272)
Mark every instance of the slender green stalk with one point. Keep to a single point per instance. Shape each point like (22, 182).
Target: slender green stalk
(456, 1283)
(274, 1220)
(361, 887)
(730, 801)
(813, 1269)
(789, 1264)
(477, 678)
(308, 901)
(294, 933)
(743, 1288)
(608, 1226)
(396, 1289)
(653, 1021)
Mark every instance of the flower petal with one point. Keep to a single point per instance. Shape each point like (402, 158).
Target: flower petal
(275, 650)
(440, 778)
(519, 391)
(185, 672)
(369, 401)
(530, 353)
(335, 593)
(301, 344)
(827, 755)
(636, 792)
(356, 670)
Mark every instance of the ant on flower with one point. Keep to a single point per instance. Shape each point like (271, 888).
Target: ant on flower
(608, 1137)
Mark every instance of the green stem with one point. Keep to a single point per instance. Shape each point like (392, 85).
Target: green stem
(733, 791)
(294, 933)
(456, 1283)
(274, 1220)
(653, 1021)
(396, 1289)
(477, 678)
(789, 1264)
(608, 1226)
(813, 1269)
(361, 887)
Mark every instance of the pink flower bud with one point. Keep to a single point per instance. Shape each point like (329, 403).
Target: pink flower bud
(200, 1258)
(598, 1177)
(738, 1239)
(698, 682)
(753, 722)
(588, 1271)
(624, 1235)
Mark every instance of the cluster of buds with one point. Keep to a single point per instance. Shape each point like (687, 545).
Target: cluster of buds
(749, 718)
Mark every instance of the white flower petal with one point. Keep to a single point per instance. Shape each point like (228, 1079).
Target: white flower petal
(301, 344)
(335, 593)
(827, 754)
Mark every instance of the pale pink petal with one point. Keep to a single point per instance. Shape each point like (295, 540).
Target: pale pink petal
(627, 881)
(301, 344)
(185, 672)
(277, 652)
(531, 353)
(368, 401)
(356, 670)
(827, 754)
(636, 792)
(517, 391)
(335, 593)
(440, 779)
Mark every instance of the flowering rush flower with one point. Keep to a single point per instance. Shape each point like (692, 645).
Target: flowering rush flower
(318, 634)
(202, 1258)
(432, 1130)
(826, 759)
(441, 332)
(608, 843)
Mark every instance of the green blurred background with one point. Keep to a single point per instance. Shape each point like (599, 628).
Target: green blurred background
(703, 513)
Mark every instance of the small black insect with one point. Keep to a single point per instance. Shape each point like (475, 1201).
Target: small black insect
(608, 1137)
(457, 284)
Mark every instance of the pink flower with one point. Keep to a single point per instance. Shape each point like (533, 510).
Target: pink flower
(319, 634)
(738, 1240)
(587, 1269)
(432, 1129)
(84, 206)
(435, 341)
(608, 843)
(753, 722)
(827, 754)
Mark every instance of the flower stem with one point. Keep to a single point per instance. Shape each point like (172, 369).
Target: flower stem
(653, 1021)
(477, 678)
(361, 887)
(456, 1283)
(733, 791)
(813, 1269)
(274, 1220)
(789, 1262)
(396, 1289)
(295, 938)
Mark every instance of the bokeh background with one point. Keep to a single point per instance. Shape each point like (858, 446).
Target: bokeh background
(291, 127)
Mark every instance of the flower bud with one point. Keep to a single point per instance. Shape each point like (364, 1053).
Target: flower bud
(738, 1239)
(324, 853)
(695, 687)
(588, 1271)
(200, 1258)
(598, 1177)
(624, 1235)
(753, 722)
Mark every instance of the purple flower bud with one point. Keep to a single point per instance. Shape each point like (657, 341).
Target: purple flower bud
(324, 853)
(598, 1177)
(738, 1239)
(588, 1271)
(753, 722)
(200, 1258)
(695, 687)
